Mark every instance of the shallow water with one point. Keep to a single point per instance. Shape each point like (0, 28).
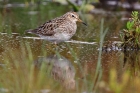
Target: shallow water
(32, 65)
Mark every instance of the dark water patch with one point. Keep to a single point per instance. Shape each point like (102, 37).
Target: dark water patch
(115, 5)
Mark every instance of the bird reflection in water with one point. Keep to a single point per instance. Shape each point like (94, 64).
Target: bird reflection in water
(62, 70)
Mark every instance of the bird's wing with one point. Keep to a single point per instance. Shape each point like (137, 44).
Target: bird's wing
(50, 27)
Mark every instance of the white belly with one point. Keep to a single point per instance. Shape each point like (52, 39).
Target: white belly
(57, 37)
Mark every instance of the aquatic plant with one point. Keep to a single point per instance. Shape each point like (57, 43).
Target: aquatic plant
(131, 34)
(85, 6)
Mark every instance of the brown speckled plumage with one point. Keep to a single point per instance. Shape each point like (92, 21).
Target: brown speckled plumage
(59, 29)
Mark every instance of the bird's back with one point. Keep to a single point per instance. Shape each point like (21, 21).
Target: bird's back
(48, 28)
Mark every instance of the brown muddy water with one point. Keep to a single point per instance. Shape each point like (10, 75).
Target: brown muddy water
(32, 65)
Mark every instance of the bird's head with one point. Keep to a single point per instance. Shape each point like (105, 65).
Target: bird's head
(74, 17)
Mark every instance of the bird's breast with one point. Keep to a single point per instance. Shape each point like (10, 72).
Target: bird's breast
(71, 28)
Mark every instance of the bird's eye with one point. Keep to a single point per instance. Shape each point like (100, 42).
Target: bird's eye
(72, 15)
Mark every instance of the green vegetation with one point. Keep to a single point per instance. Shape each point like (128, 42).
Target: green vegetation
(131, 35)
(85, 7)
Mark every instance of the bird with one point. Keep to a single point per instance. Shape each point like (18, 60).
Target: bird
(59, 29)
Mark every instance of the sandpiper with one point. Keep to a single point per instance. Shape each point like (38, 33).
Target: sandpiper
(59, 29)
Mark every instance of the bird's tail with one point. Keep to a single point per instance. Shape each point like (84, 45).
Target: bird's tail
(29, 31)
(32, 31)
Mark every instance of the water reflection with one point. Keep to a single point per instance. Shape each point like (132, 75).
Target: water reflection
(62, 70)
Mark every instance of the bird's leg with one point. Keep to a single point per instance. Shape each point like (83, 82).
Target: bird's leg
(55, 43)
(56, 46)
(53, 48)
(49, 47)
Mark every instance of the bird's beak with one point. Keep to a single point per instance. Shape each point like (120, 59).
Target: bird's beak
(79, 20)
